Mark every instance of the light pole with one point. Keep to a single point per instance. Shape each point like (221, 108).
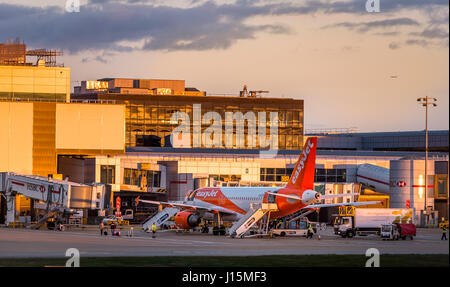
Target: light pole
(425, 102)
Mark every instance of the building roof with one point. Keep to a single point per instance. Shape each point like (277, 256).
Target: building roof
(382, 134)
(256, 152)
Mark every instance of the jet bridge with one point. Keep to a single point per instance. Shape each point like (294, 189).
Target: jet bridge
(54, 196)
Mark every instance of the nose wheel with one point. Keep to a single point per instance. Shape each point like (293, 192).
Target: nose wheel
(219, 230)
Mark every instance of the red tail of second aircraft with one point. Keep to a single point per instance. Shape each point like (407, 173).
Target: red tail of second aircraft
(302, 177)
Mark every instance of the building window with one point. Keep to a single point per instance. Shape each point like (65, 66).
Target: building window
(142, 178)
(225, 177)
(441, 188)
(275, 174)
(107, 174)
(331, 175)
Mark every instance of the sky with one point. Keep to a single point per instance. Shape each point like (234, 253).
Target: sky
(353, 68)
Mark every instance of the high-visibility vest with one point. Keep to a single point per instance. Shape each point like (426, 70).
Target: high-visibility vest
(154, 227)
(444, 230)
(309, 227)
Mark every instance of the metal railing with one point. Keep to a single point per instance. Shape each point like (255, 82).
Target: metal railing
(328, 131)
(50, 100)
(7, 99)
(85, 101)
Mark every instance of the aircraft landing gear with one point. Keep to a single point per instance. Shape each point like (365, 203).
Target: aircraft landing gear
(219, 230)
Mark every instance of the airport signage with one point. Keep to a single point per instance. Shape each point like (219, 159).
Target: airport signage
(35, 187)
(96, 85)
(163, 91)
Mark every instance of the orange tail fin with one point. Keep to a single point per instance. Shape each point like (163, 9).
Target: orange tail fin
(303, 175)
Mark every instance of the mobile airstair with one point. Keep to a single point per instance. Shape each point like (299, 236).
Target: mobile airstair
(160, 218)
(298, 214)
(255, 214)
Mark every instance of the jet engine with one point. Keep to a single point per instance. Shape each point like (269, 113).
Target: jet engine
(310, 196)
(186, 220)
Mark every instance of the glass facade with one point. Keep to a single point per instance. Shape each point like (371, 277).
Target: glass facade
(150, 124)
(148, 118)
(275, 174)
(107, 174)
(143, 178)
(332, 175)
(225, 177)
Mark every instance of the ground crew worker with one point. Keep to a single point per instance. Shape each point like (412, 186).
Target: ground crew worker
(444, 233)
(153, 230)
(102, 228)
(113, 228)
(130, 232)
(279, 224)
(309, 234)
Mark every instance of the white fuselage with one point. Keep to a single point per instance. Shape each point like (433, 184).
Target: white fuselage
(234, 200)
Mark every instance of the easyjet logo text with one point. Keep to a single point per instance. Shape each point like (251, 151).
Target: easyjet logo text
(301, 164)
(206, 194)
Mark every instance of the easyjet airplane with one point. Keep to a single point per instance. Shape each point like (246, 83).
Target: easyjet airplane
(231, 203)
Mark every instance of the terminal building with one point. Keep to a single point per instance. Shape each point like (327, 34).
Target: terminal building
(117, 132)
(43, 80)
(39, 123)
(382, 141)
(150, 105)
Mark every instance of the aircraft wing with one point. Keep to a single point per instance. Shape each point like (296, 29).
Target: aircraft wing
(341, 204)
(327, 196)
(183, 206)
(171, 204)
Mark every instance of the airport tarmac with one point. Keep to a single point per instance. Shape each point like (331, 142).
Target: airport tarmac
(22, 243)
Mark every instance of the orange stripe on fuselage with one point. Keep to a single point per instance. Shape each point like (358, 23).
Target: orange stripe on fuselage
(213, 195)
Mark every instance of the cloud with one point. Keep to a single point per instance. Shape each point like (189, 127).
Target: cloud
(394, 46)
(98, 27)
(195, 25)
(432, 33)
(416, 42)
(367, 26)
(388, 34)
(99, 59)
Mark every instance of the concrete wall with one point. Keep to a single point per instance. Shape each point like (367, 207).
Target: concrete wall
(32, 134)
(16, 137)
(90, 127)
(35, 82)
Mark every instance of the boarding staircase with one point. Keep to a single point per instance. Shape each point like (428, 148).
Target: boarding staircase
(52, 212)
(298, 214)
(256, 212)
(160, 218)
